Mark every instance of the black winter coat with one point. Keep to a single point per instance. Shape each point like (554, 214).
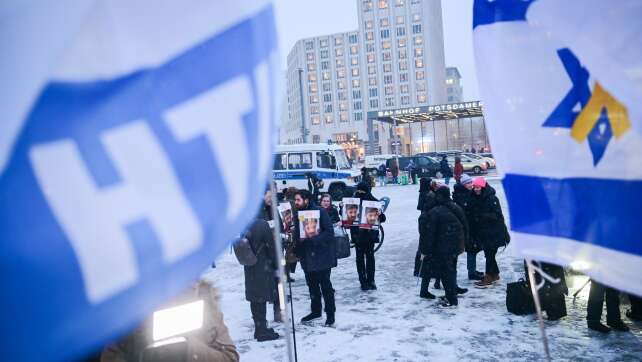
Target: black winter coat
(445, 169)
(486, 219)
(319, 252)
(260, 282)
(429, 201)
(265, 212)
(461, 196)
(422, 200)
(361, 236)
(446, 230)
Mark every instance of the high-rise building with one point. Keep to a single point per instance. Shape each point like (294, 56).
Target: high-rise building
(454, 89)
(394, 60)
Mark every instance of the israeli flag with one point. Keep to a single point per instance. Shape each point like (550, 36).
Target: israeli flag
(135, 142)
(562, 87)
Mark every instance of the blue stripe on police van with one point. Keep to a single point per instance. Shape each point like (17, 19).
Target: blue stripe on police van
(601, 212)
(300, 175)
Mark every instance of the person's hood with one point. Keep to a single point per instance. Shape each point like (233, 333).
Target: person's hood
(442, 195)
(460, 188)
(364, 186)
(487, 191)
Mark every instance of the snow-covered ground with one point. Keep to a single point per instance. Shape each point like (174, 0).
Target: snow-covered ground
(394, 324)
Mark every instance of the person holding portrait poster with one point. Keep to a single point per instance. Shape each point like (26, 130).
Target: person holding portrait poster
(370, 211)
(366, 238)
(316, 248)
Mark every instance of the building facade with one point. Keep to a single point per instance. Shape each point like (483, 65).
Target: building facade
(394, 60)
(454, 89)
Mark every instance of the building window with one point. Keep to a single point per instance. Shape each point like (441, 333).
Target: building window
(416, 17)
(416, 1)
(405, 100)
(353, 38)
(356, 94)
(326, 75)
(341, 96)
(354, 49)
(354, 61)
(373, 92)
(370, 47)
(390, 102)
(401, 42)
(312, 67)
(416, 29)
(419, 52)
(343, 117)
(338, 41)
(310, 57)
(324, 54)
(372, 81)
(309, 45)
(383, 4)
(387, 68)
(399, 2)
(420, 75)
(327, 97)
(384, 22)
(327, 108)
(369, 24)
(385, 34)
(421, 98)
(374, 103)
(402, 54)
(403, 65)
(387, 79)
(356, 83)
(367, 5)
(343, 106)
(356, 106)
(421, 87)
(450, 90)
(419, 63)
(340, 62)
(403, 77)
(358, 116)
(385, 44)
(372, 69)
(327, 87)
(313, 88)
(323, 43)
(325, 65)
(419, 40)
(338, 51)
(450, 98)
(314, 99)
(328, 118)
(316, 120)
(316, 138)
(386, 56)
(401, 31)
(400, 19)
(341, 73)
(403, 88)
(389, 90)
(314, 109)
(355, 72)
(450, 81)
(371, 58)
(369, 35)
(312, 77)
(341, 84)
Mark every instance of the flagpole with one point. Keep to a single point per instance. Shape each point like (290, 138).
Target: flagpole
(280, 263)
(538, 307)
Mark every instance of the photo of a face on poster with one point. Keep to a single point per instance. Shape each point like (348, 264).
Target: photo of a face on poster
(309, 223)
(370, 211)
(285, 212)
(350, 213)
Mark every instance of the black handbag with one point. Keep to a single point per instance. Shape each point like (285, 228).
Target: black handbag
(342, 241)
(519, 299)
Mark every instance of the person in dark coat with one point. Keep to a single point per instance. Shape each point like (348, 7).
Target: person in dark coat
(423, 269)
(265, 212)
(445, 170)
(381, 174)
(595, 305)
(462, 192)
(459, 169)
(394, 170)
(364, 241)
(424, 190)
(635, 313)
(260, 285)
(411, 169)
(488, 227)
(314, 186)
(443, 240)
(326, 204)
(317, 255)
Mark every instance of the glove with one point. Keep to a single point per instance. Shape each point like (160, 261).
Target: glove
(382, 217)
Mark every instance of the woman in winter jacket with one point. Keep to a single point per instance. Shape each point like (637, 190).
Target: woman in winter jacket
(326, 204)
(459, 169)
(488, 227)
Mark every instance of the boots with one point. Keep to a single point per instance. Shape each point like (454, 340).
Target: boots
(426, 295)
(618, 326)
(262, 333)
(597, 326)
(329, 321)
(311, 316)
(486, 281)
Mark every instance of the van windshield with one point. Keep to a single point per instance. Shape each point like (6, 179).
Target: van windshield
(326, 160)
(342, 160)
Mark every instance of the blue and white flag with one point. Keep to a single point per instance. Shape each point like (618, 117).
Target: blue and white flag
(135, 142)
(562, 87)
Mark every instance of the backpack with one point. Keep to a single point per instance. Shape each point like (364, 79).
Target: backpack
(519, 299)
(244, 252)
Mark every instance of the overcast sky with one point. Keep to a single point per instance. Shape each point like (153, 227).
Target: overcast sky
(297, 19)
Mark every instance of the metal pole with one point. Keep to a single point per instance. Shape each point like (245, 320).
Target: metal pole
(410, 134)
(538, 307)
(304, 136)
(458, 133)
(447, 145)
(422, 136)
(472, 138)
(280, 261)
(485, 133)
(434, 135)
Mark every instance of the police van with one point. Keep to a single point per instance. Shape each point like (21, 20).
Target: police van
(328, 162)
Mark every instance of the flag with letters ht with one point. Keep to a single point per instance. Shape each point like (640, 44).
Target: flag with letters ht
(144, 147)
(561, 83)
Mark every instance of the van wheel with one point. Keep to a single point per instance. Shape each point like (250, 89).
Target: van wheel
(336, 192)
(476, 170)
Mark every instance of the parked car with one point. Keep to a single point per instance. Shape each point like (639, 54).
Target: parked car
(471, 165)
(490, 162)
(426, 166)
